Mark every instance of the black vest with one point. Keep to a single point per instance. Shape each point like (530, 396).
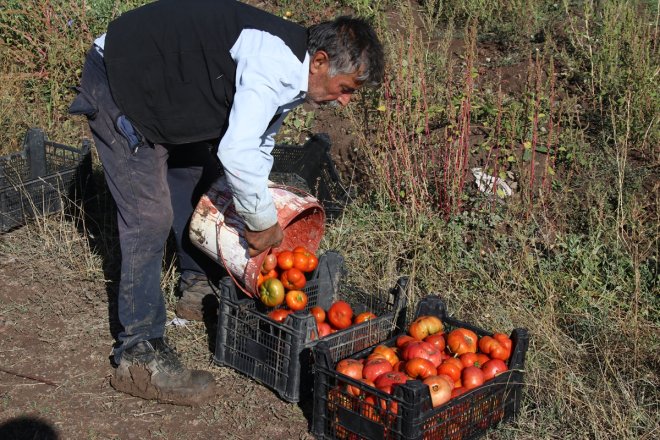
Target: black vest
(169, 66)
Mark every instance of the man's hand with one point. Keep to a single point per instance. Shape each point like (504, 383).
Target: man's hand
(259, 241)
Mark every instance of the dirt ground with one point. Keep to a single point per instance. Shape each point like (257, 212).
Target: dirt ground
(55, 344)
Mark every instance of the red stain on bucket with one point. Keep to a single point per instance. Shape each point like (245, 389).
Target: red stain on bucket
(218, 230)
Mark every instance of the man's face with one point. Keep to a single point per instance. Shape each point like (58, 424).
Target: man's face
(323, 89)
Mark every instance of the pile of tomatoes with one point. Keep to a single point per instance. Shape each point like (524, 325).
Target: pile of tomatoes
(450, 363)
(339, 316)
(282, 278)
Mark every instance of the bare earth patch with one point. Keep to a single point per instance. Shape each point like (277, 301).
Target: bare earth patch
(55, 344)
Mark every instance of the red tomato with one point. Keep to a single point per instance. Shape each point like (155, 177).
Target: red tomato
(300, 261)
(375, 367)
(451, 369)
(440, 390)
(271, 292)
(318, 312)
(492, 368)
(272, 274)
(402, 340)
(384, 382)
(313, 263)
(425, 326)
(472, 377)
(296, 299)
(437, 339)
(421, 349)
(364, 317)
(458, 391)
(285, 260)
(293, 279)
(340, 315)
(420, 368)
(270, 263)
(496, 347)
(470, 359)
(387, 352)
(357, 391)
(279, 315)
(350, 367)
(323, 328)
(305, 260)
(462, 340)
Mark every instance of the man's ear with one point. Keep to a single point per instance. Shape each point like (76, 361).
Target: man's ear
(319, 62)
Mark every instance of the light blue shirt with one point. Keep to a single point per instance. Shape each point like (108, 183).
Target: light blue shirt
(270, 80)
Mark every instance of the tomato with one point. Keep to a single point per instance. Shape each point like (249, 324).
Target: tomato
(497, 346)
(402, 340)
(285, 260)
(272, 274)
(386, 381)
(296, 299)
(368, 409)
(300, 261)
(260, 279)
(458, 391)
(357, 391)
(387, 352)
(270, 263)
(350, 367)
(340, 315)
(279, 315)
(318, 312)
(364, 317)
(323, 328)
(424, 326)
(375, 367)
(462, 340)
(472, 377)
(437, 339)
(293, 279)
(271, 292)
(440, 390)
(450, 369)
(421, 349)
(492, 368)
(473, 359)
(420, 368)
(313, 263)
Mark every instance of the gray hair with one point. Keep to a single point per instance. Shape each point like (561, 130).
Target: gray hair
(352, 46)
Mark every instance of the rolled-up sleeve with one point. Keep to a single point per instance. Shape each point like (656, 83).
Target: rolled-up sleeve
(267, 78)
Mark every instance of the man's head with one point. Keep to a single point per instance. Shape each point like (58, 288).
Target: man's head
(345, 54)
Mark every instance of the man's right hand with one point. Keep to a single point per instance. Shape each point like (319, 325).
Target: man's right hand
(259, 241)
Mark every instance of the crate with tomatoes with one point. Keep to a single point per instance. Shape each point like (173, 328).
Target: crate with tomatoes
(299, 303)
(441, 379)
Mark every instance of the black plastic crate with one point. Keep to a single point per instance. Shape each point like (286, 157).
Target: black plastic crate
(279, 355)
(41, 179)
(407, 414)
(310, 167)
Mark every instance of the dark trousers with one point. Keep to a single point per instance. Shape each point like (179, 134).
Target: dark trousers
(155, 188)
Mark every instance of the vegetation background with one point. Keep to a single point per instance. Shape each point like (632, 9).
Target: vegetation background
(559, 99)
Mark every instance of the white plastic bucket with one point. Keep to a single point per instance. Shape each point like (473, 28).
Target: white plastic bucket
(218, 230)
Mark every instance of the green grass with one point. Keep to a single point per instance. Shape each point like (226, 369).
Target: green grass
(572, 256)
